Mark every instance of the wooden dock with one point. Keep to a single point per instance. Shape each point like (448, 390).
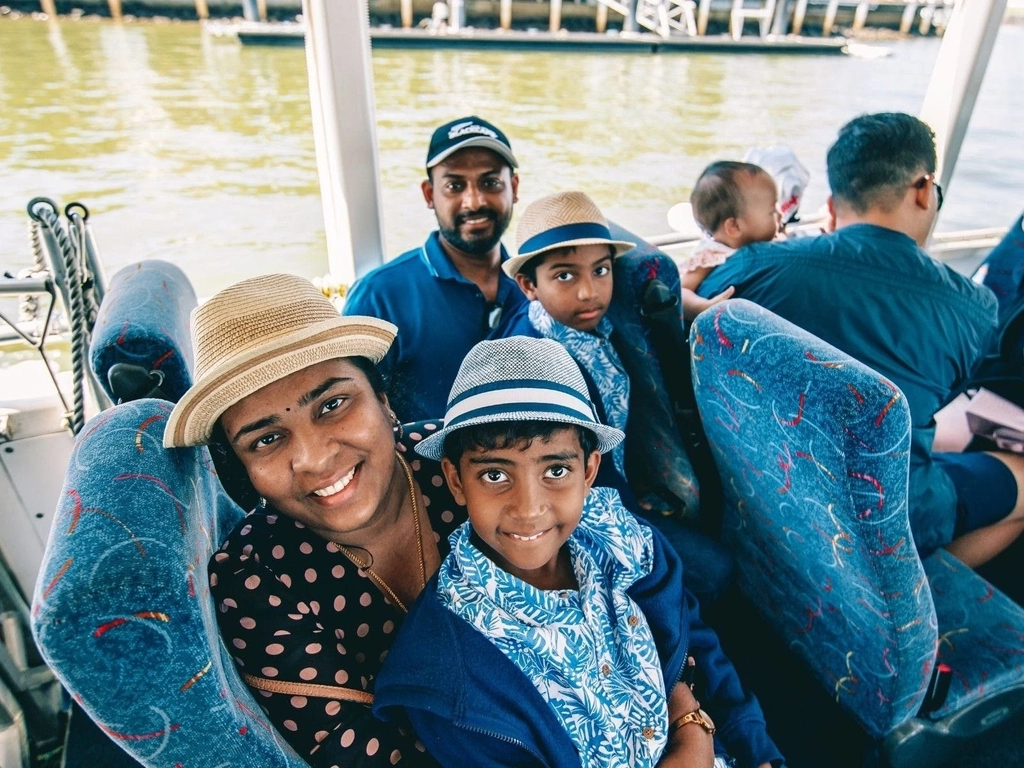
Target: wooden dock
(512, 40)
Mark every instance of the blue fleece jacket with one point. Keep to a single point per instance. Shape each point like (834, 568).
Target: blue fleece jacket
(470, 705)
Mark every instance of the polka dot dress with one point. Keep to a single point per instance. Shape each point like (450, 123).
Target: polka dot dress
(292, 607)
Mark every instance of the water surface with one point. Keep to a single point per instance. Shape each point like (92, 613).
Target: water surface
(199, 150)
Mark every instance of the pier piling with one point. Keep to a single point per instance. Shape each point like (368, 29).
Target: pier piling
(406, 14)
(555, 23)
(202, 10)
(505, 14)
(49, 7)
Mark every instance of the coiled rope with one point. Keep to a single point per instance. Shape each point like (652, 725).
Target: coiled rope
(64, 257)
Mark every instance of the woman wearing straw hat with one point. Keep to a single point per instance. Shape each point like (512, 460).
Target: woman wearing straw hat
(312, 585)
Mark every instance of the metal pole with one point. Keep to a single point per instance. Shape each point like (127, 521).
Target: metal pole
(703, 13)
(115, 8)
(49, 7)
(261, 9)
(959, 70)
(555, 20)
(406, 14)
(249, 10)
(202, 9)
(456, 15)
(830, 18)
(798, 16)
(505, 14)
(344, 134)
(780, 24)
(629, 22)
(601, 22)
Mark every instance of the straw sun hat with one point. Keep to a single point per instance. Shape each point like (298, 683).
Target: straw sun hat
(257, 332)
(560, 221)
(519, 379)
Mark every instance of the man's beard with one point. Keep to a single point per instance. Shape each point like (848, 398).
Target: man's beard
(477, 246)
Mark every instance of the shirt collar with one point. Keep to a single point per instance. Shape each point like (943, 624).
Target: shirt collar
(441, 267)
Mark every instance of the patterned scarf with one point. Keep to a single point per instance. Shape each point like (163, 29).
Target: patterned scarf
(589, 653)
(595, 353)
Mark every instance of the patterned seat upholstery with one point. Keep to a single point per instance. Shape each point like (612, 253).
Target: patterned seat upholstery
(813, 450)
(144, 321)
(122, 611)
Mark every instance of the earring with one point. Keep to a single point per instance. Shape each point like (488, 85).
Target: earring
(397, 429)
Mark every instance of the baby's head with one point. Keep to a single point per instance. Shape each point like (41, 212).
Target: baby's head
(736, 203)
(520, 448)
(565, 258)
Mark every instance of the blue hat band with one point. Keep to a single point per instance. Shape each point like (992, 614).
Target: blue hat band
(551, 237)
(500, 398)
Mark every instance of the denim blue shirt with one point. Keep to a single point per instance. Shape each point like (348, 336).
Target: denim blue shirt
(874, 294)
(440, 316)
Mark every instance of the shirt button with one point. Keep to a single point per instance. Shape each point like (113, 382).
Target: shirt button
(648, 733)
(606, 670)
(633, 620)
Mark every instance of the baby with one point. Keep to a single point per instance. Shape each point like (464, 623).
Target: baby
(735, 204)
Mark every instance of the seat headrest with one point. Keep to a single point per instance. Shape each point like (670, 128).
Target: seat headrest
(144, 323)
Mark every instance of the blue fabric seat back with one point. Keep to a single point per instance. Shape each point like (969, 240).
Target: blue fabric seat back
(813, 450)
(144, 321)
(122, 611)
(663, 452)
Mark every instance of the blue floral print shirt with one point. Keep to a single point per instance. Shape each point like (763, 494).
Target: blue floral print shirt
(593, 351)
(589, 652)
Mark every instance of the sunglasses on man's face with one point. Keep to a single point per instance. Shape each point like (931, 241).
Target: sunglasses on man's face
(919, 184)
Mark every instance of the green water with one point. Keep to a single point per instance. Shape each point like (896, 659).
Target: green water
(199, 151)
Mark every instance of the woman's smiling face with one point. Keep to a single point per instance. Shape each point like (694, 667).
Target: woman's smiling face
(318, 446)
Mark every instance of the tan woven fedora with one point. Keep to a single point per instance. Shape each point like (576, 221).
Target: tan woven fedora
(559, 221)
(257, 332)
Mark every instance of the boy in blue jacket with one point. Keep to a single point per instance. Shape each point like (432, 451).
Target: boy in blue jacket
(557, 630)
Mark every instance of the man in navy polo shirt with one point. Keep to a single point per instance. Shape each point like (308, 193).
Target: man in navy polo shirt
(870, 290)
(450, 293)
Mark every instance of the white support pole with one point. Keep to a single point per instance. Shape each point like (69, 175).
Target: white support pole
(505, 14)
(703, 13)
(406, 11)
(830, 18)
(555, 17)
(344, 134)
(957, 76)
(907, 19)
(860, 16)
(798, 16)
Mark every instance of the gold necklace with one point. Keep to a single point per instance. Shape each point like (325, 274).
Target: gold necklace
(367, 566)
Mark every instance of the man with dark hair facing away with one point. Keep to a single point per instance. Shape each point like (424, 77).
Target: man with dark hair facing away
(870, 289)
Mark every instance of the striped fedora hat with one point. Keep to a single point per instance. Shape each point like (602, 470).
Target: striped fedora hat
(256, 332)
(560, 221)
(519, 379)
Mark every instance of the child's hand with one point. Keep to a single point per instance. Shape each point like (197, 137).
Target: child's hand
(693, 304)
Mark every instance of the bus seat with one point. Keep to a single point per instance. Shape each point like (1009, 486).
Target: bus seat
(659, 458)
(142, 333)
(813, 450)
(122, 611)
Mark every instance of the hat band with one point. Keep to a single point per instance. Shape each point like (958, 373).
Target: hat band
(519, 400)
(564, 233)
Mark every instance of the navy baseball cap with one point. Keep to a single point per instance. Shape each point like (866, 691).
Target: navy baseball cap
(464, 133)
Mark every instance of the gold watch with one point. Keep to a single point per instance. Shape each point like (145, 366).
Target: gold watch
(698, 716)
